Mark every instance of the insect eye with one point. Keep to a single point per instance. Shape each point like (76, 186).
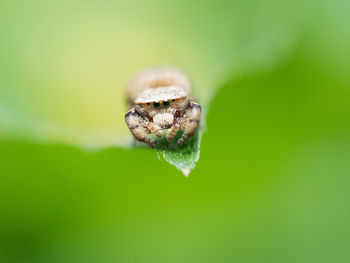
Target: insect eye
(156, 104)
(166, 103)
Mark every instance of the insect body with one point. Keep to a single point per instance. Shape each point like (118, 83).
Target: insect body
(160, 104)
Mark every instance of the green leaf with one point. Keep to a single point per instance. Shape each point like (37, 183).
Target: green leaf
(63, 70)
(184, 157)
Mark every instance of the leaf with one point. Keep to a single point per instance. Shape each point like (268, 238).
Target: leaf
(63, 70)
(183, 157)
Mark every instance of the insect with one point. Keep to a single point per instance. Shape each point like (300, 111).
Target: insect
(160, 104)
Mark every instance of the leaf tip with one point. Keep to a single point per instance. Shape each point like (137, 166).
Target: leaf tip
(186, 171)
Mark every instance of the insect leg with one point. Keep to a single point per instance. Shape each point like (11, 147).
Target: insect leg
(154, 128)
(172, 132)
(191, 121)
(137, 126)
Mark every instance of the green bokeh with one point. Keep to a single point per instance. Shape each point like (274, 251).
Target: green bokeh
(271, 185)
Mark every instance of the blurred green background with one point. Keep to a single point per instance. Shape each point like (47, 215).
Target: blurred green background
(272, 183)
